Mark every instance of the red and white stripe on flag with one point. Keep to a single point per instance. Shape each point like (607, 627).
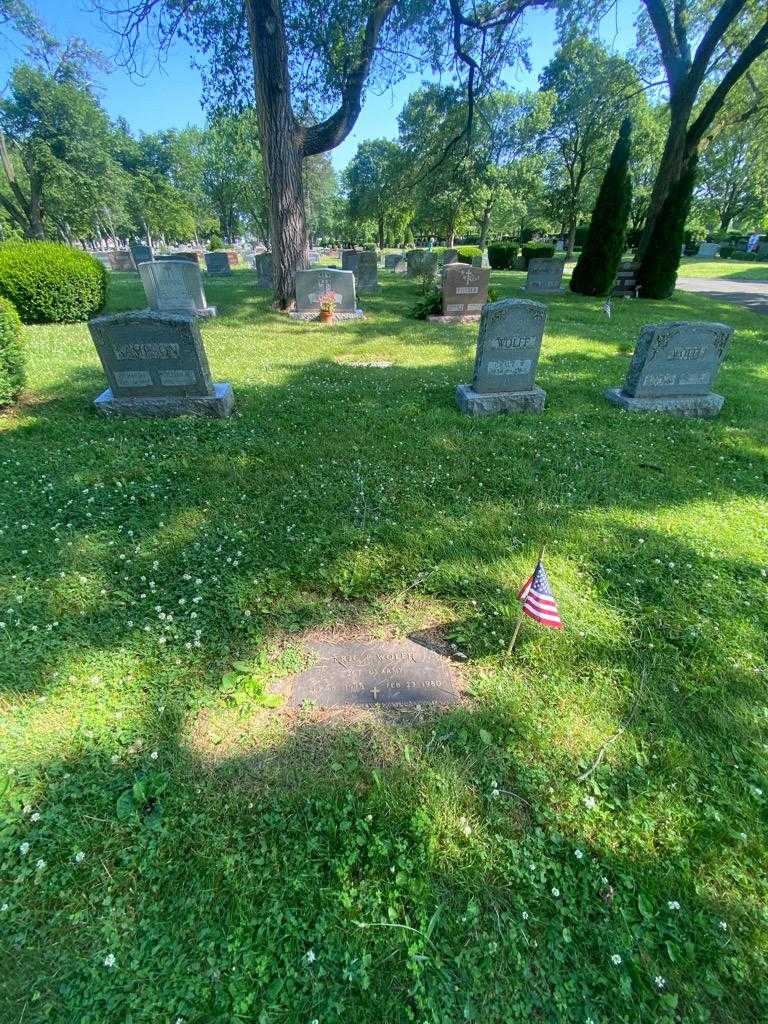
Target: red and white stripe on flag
(538, 601)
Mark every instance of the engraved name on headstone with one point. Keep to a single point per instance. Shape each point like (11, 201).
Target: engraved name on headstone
(374, 673)
(175, 286)
(544, 275)
(508, 348)
(311, 285)
(156, 365)
(217, 263)
(673, 369)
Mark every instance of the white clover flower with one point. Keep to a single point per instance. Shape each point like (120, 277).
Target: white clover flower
(590, 803)
(616, 959)
(24, 849)
(3, 908)
(673, 904)
(723, 926)
(79, 857)
(525, 915)
(578, 854)
(40, 865)
(659, 981)
(309, 956)
(35, 816)
(154, 755)
(109, 960)
(555, 892)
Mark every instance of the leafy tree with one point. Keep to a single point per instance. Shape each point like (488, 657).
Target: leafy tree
(373, 183)
(593, 93)
(649, 128)
(232, 173)
(732, 172)
(55, 151)
(595, 271)
(311, 62)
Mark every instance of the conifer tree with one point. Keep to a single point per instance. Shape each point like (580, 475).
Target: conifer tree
(595, 272)
(657, 275)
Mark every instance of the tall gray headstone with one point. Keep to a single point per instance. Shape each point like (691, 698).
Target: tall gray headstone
(544, 275)
(156, 366)
(217, 263)
(311, 285)
(673, 369)
(367, 272)
(391, 259)
(141, 254)
(508, 348)
(350, 259)
(413, 258)
(709, 249)
(465, 292)
(175, 286)
(264, 270)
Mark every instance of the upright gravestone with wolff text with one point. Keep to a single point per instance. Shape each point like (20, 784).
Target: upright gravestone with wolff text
(465, 292)
(312, 285)
(508, 349)
(218, 263)
(156, 366)
(544, 275)
(175, 286)
(673, 369)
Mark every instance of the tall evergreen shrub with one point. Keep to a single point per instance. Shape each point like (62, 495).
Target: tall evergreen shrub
(595, 272)
(657, 275)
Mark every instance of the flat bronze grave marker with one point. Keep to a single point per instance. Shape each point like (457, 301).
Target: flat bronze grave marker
(370, 673)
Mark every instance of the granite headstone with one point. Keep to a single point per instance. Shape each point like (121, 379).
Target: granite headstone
(626, 283)
(311, 285)
(264, 270)
(156, 366)
(673, 369)
(508, 348)
(465, 292)
(367, 272)
(544, 275)
(374, 673)
(709, 249)
(141, 254)
(413, 259)
(175, 286)
(218, 263)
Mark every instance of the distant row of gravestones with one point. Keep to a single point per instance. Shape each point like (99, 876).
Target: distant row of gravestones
(709, 249)
(218, 263)
(156, 364)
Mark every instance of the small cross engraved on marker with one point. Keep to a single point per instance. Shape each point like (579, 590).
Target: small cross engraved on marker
(375, 691)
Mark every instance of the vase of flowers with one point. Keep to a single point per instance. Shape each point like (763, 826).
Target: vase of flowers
(327, 307)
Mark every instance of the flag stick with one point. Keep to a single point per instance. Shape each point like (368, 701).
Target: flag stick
(518, 624)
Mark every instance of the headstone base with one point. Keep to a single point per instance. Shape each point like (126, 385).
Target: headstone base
(217, 406)
(473, 403)
(340, 314)
(695, 406)
(454, 318)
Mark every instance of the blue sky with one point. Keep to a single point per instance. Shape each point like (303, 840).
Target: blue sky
(170, 96)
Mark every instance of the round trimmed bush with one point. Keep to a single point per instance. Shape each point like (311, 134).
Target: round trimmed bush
(50, 283)
(12, 372)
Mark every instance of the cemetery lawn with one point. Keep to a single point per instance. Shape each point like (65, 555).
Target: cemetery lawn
(733, 270)
(583, 839)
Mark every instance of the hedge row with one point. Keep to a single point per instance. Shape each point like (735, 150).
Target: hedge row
(502, 256)
(12, 371)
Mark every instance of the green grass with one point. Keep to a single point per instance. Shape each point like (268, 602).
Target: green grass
(267, 867)
(732, 269)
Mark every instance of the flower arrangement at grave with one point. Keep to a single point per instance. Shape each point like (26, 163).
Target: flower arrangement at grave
(327, 306)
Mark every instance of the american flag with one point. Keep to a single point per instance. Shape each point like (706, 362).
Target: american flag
(538, 600)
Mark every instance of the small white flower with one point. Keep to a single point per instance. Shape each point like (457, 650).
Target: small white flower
(79, 857)
(309, 956)
(723, 926)
(673, 904)
(24, 849)
(35, 816)
(578, 854)
(590, 803)
(109, 960)
(154, 755)
(525, 915)
(616, 959)
(40, 865)
(3, 908)
(555, 892)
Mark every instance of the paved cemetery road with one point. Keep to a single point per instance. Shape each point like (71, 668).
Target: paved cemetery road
(752, 294)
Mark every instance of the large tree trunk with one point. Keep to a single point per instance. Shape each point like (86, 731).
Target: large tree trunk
(381, 230)
(485, 221)
(571, 243)
(281, 146)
